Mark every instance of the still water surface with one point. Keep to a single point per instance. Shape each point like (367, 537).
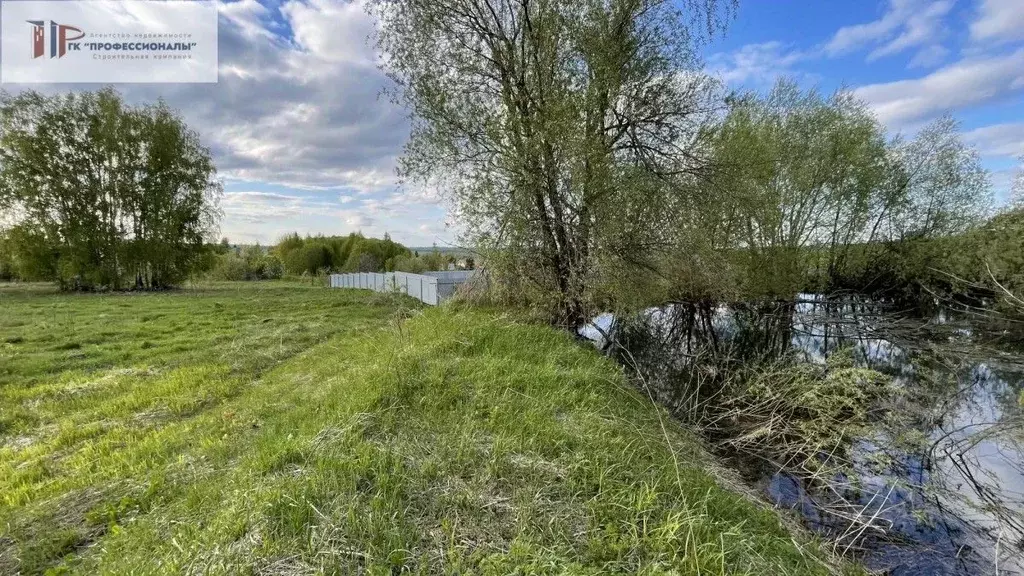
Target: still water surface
(948, 501)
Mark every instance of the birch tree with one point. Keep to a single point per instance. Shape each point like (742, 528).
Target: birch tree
(104, 195)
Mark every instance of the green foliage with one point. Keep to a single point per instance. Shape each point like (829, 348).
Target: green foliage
(807, 195)
(412, 264)
(229, 267)
(26, 254)
(1001, 249)
(106, 195)
(564, 130)
(929, 236)
(973, 263)
(417, 264)
(990, 257)
(253, 263)
(795, 170)
(352, 253)
(576, 213)
(6, 267)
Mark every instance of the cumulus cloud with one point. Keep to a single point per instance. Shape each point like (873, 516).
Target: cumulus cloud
(998, 21)
(756, 65)
(998, 140)
(335, 32)
(259, 216)
(905, 25)
(966, 83)
(299, 106)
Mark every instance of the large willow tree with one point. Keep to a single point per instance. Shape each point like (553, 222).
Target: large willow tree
(798, 173)
(561, 128)
(809, 193)
(101, 194)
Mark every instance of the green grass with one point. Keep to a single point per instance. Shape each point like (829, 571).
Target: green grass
(282, 429)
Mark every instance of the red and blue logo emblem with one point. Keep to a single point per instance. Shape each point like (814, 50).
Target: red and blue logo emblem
(62, 38)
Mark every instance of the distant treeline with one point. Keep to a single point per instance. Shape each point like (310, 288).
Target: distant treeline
(295, 255)
(96, 194)
(979, 262)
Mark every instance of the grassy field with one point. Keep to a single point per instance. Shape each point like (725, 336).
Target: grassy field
(285, 429)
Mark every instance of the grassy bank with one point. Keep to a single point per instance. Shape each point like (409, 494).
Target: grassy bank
(288, 430)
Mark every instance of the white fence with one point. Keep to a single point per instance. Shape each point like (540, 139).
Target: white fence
(448, 281)
(429, 287)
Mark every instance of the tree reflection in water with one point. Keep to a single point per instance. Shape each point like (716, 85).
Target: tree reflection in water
(928, 479)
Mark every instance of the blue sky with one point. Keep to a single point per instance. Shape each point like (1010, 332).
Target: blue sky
(911, 60)
(305, 143)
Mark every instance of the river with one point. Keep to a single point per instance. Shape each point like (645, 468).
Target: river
(934, 484)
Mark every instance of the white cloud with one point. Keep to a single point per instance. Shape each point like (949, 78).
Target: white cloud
(412, 217)
(300, 109)
(334, 31)
(257, 216)
(998, 140)
(263, 207)
(248, 15)
(966, 83)
(928, 57)
(755, 65)
(998, 21)
(905, 25)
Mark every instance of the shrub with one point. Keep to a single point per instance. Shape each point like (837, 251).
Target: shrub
(352, 253)
(228, 267)
(252, 264)
(411, 264)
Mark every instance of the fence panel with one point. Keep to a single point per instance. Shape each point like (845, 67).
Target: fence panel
(430, 288)
(430, 293)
